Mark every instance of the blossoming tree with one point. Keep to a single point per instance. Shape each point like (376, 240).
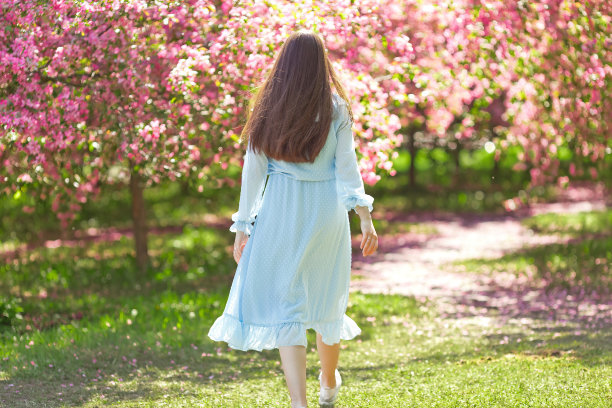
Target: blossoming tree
(136, 91)
(561, 60)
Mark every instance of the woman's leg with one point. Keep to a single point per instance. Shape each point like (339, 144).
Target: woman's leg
(293, 360)
(329, 361)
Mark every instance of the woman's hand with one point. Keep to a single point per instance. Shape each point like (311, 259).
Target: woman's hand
(369, 240)
(239, 243)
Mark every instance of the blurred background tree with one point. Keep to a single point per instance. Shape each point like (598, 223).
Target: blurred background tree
(135, 93)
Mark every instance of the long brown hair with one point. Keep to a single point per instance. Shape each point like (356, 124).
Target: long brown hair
(282, 117)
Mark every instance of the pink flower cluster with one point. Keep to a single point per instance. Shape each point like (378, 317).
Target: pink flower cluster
(162, 88)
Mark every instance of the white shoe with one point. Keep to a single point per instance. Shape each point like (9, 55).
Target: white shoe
(328, 396)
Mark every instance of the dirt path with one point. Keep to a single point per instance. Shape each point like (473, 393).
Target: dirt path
(415, 265)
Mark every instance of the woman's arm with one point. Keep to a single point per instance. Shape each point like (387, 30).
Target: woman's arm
(350, 184)
(254, 173)
(348, 178)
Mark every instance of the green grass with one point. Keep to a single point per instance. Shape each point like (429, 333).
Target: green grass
(83, 328)
(54, 284)
(405, 357)
(588, 222)
(109, 337)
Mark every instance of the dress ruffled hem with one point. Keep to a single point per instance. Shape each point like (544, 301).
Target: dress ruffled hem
(362, 201)
(243, 336)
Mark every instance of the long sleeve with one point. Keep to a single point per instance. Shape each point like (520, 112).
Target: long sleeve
(254, 173)
(348, 178)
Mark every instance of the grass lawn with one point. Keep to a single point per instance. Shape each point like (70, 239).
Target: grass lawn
(92, 333)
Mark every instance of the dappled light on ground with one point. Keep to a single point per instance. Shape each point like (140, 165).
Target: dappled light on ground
(516, 273)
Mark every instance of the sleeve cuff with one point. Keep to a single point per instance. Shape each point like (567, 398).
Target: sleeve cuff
(362, 201)
(241, 225)
(244, 226)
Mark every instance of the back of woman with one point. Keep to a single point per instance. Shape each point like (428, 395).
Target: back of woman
(293, 243)
(323, 166)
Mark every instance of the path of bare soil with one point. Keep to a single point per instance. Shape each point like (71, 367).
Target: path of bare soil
(420, 265)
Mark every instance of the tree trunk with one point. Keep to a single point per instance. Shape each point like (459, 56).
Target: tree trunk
(456, 153)
(184, 188)
(495, 174)
(412, 150)
(140, 222)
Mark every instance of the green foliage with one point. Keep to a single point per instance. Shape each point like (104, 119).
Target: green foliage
(10, 310)
(476, 186)
(166, 204)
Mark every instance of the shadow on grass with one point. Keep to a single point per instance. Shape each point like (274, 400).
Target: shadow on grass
(57, 285)
(569, 282)
(588, 348)
(139, 339)
(164, 350)
(148, 353)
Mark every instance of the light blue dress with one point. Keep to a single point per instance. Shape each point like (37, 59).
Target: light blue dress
(294, 273)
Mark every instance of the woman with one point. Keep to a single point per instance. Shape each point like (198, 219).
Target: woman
(294, 263)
